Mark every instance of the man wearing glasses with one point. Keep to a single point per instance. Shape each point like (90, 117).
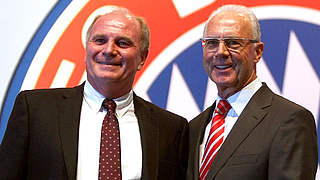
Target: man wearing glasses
(249, 132)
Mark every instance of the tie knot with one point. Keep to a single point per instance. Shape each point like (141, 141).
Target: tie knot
(223, 107)
(109, 105)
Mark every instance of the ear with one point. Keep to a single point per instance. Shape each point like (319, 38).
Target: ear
(144, 56)
(259, 51)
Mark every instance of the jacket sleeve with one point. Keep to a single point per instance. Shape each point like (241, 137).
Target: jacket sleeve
(183, 150)
(294, 153)
(14, 147)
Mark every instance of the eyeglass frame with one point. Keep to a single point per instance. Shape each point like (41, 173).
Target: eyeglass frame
(223, 39)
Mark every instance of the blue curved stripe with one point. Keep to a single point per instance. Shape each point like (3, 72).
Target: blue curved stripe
(25, 62)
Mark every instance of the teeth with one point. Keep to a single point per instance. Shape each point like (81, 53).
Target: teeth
(106, 63)
(222, 67)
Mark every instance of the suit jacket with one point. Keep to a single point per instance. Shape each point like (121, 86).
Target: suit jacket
(41, 141)
(273, 139)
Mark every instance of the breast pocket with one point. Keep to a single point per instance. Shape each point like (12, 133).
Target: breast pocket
(243, 159)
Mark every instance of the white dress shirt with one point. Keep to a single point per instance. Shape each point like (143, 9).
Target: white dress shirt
(92, 115)
(238, 102)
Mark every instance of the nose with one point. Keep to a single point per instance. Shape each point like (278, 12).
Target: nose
(109, 49)
(222, 50)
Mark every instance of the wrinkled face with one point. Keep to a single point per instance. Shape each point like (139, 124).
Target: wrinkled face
(231, 70)
(113, 51)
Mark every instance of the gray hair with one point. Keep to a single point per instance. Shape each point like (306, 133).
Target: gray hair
(144, 28)
(243, 10)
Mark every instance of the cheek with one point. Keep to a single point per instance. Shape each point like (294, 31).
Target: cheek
(92, 51)
(244, 67)
(133, 59)
(90, 57)
(89, 62)
(206, 61)
(240, 60)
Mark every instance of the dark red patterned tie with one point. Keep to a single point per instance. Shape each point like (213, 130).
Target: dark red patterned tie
(110, 157)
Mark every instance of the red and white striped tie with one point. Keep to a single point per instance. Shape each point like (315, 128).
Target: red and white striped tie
(215, 138)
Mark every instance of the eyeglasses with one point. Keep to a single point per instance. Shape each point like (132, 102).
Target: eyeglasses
(232, 44)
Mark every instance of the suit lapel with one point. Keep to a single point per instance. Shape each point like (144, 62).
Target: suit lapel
(198, 131)
(69, 118)
(247, 121)
(149, 132)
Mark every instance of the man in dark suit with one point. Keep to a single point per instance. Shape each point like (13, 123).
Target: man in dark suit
(57, 133)
(249, 133)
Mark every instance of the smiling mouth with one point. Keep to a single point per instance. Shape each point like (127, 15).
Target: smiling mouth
(109, 64)
(222, 67)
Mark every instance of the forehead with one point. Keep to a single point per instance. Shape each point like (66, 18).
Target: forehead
(229, 24)
(116, 23)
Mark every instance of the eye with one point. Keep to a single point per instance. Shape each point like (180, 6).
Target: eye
(99, 41)
(212, 43)
(124, 43)
(233, 43)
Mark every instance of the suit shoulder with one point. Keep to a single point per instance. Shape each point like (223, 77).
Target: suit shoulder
(287, 105)
(285, 110)
(201, 118)
(265, 97)
(50, 91)
(50, 95)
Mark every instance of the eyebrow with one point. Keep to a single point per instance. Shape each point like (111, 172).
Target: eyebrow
(118, 37)
(125, 38)
(97, 36)
(225, 37)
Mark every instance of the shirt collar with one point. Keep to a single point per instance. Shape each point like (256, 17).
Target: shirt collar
(124, 104)
(95, 99)
(239, 100)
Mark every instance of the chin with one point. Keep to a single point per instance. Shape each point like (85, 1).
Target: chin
(224, 80)
(226, 83)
